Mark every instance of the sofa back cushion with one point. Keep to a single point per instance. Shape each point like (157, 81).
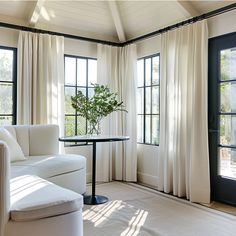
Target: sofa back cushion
(36, 140)
(43, 140)
(15, 151)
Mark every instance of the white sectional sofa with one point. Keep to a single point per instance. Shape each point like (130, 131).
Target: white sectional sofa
(36, 183)
(40, 146)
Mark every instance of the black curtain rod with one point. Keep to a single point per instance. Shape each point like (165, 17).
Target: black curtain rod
(185, 22)
(35, 30)
(208, 15)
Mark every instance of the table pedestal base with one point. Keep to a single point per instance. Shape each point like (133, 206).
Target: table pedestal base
(94, 200)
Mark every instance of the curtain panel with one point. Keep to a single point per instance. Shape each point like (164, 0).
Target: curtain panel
(117, 68)
(183, 164)
(40, 79)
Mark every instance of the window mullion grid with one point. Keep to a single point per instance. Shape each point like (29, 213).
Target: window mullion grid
(151, 105)
(144, 101)
(226, 81)
(86, 121)
(7, 81)
(222, 113)
(14, 78)
(76, 91)
(13, 83)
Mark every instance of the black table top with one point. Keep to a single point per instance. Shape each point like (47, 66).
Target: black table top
(93, 138)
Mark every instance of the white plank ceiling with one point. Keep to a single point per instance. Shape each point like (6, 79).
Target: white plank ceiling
(115, 21)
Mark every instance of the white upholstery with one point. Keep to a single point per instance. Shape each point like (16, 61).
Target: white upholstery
(22, 136)
(48, 165)
(34, 198)
(36, 139)
(66, 170)
(40, 145)
(4, 186)
(39, 207)
(15, 151)
(64, 225)
(43, 140)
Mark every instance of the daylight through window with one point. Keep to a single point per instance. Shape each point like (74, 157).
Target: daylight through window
(7, 86)
(148, 100)
(80, 74)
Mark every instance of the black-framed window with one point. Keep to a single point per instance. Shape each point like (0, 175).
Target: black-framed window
(148, 107)
(7, 85)
(80, 74)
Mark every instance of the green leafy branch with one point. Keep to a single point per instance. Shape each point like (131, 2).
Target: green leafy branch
(94, 109)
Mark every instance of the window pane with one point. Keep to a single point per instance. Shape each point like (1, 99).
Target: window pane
(70, 125)
(155, 100)
(6, 103)
(140, 74)
(140, 129)
(70, 70)
(148, 71)
(81, 125)
(83, 90)
(140, 101)
(148, 129)
(155, 70)
(6, 120)
(69, 91)
(228, 130)
(228, 97)
(81, 72)
(6, 65)
(228, 64)
(90, 92)
(148, 100)
(155, 129)
(227, 162)
(92, 72)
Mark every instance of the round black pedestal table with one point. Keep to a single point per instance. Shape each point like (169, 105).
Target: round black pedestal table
(94, 199)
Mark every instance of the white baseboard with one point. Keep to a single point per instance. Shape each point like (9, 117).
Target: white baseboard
(147, 179)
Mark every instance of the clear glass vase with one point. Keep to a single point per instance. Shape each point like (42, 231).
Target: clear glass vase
(94, 128)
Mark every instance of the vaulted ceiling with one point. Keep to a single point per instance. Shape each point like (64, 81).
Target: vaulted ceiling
(115, 21)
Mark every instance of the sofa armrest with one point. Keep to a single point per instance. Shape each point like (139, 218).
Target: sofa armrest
(43, 140)
(4, 186)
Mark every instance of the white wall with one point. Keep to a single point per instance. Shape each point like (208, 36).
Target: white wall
(147, 154)
(222, 24)
(8, 37)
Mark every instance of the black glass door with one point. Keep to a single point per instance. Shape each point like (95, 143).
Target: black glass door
(222, 117)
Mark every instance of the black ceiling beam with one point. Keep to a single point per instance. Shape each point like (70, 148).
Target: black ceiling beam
(208, 15)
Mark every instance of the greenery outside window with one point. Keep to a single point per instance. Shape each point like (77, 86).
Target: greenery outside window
(7, 85)
(80, 74)
(148, 107)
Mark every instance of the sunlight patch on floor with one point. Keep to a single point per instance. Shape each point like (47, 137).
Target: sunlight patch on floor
(98, 214)
(135, 223)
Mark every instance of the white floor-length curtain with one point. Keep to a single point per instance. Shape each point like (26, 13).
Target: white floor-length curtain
(117, 69)
(183, 165)
(40, 76)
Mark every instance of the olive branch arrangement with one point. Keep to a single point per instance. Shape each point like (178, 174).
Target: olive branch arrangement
(94, 109)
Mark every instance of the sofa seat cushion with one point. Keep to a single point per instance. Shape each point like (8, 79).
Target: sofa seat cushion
(35, 198)
(48, 166)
